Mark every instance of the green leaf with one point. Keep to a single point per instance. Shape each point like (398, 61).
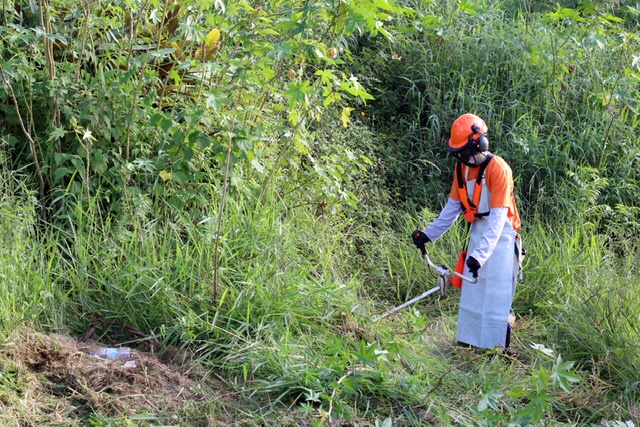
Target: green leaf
(562, 376)
(78, 163)
(490, 400)
(349, 386)
(366, 160)
(390, 6)
(179, 177)
(98, 161)
(257, 165)
(353, 87)
(607, 17)
(326, 76)
(165, 124)
(298, 93)
(538, 406)
(178, 137)
(541, 379)
(467, 7)
(312, 396)
(430, 22)
(56, 134)
(281, 50)
(243, 144)
(60, 173)
(517, 393)
(187, 153)
(215, 99)
(203, 140)
(566, 13)
(366, 353)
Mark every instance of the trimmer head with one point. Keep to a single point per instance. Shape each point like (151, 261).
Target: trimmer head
(444, 282)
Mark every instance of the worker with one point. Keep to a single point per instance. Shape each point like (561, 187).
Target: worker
(483, 192)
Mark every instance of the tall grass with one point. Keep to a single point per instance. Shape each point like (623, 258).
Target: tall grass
(28, 294)
(293, 327)
(582, 293)
(558, 97)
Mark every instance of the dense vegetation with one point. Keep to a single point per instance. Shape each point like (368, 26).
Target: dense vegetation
(239, 179)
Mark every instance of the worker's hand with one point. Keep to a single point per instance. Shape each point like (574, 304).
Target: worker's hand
(420, 239)
(473, 265)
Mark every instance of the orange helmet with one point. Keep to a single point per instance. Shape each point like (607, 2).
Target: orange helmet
(466, 130)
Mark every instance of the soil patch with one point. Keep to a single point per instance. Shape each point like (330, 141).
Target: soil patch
(53, 378)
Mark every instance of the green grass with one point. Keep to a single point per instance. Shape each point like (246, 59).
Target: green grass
(292, 334)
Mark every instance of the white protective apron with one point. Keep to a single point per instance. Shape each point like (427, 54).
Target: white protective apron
(484, 306)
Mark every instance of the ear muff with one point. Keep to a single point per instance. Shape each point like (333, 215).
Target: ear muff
(481, 143)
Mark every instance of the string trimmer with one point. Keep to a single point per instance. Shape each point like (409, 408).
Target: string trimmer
(442, 284)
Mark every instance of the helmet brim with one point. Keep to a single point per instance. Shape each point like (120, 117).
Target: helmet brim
(452, 149)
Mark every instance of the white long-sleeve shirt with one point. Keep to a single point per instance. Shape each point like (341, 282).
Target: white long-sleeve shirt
(452, 210)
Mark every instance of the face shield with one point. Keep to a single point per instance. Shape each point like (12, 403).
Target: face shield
(470, 155)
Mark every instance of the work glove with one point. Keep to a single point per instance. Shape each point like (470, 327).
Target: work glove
(420, 239)
(473, 265)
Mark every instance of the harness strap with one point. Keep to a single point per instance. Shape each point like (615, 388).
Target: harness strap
(470, 207)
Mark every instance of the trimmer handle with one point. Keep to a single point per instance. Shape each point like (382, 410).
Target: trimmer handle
(445, 271)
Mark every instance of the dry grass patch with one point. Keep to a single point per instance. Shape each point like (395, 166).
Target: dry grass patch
(53, 379)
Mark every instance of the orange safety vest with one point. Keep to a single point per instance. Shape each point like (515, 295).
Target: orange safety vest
(470, 207)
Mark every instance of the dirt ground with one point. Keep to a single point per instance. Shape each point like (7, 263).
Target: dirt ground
(53, 380)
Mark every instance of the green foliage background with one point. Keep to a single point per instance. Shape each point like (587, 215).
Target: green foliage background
(239, 179)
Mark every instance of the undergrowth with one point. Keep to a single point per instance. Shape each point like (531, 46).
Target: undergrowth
(293, 331)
